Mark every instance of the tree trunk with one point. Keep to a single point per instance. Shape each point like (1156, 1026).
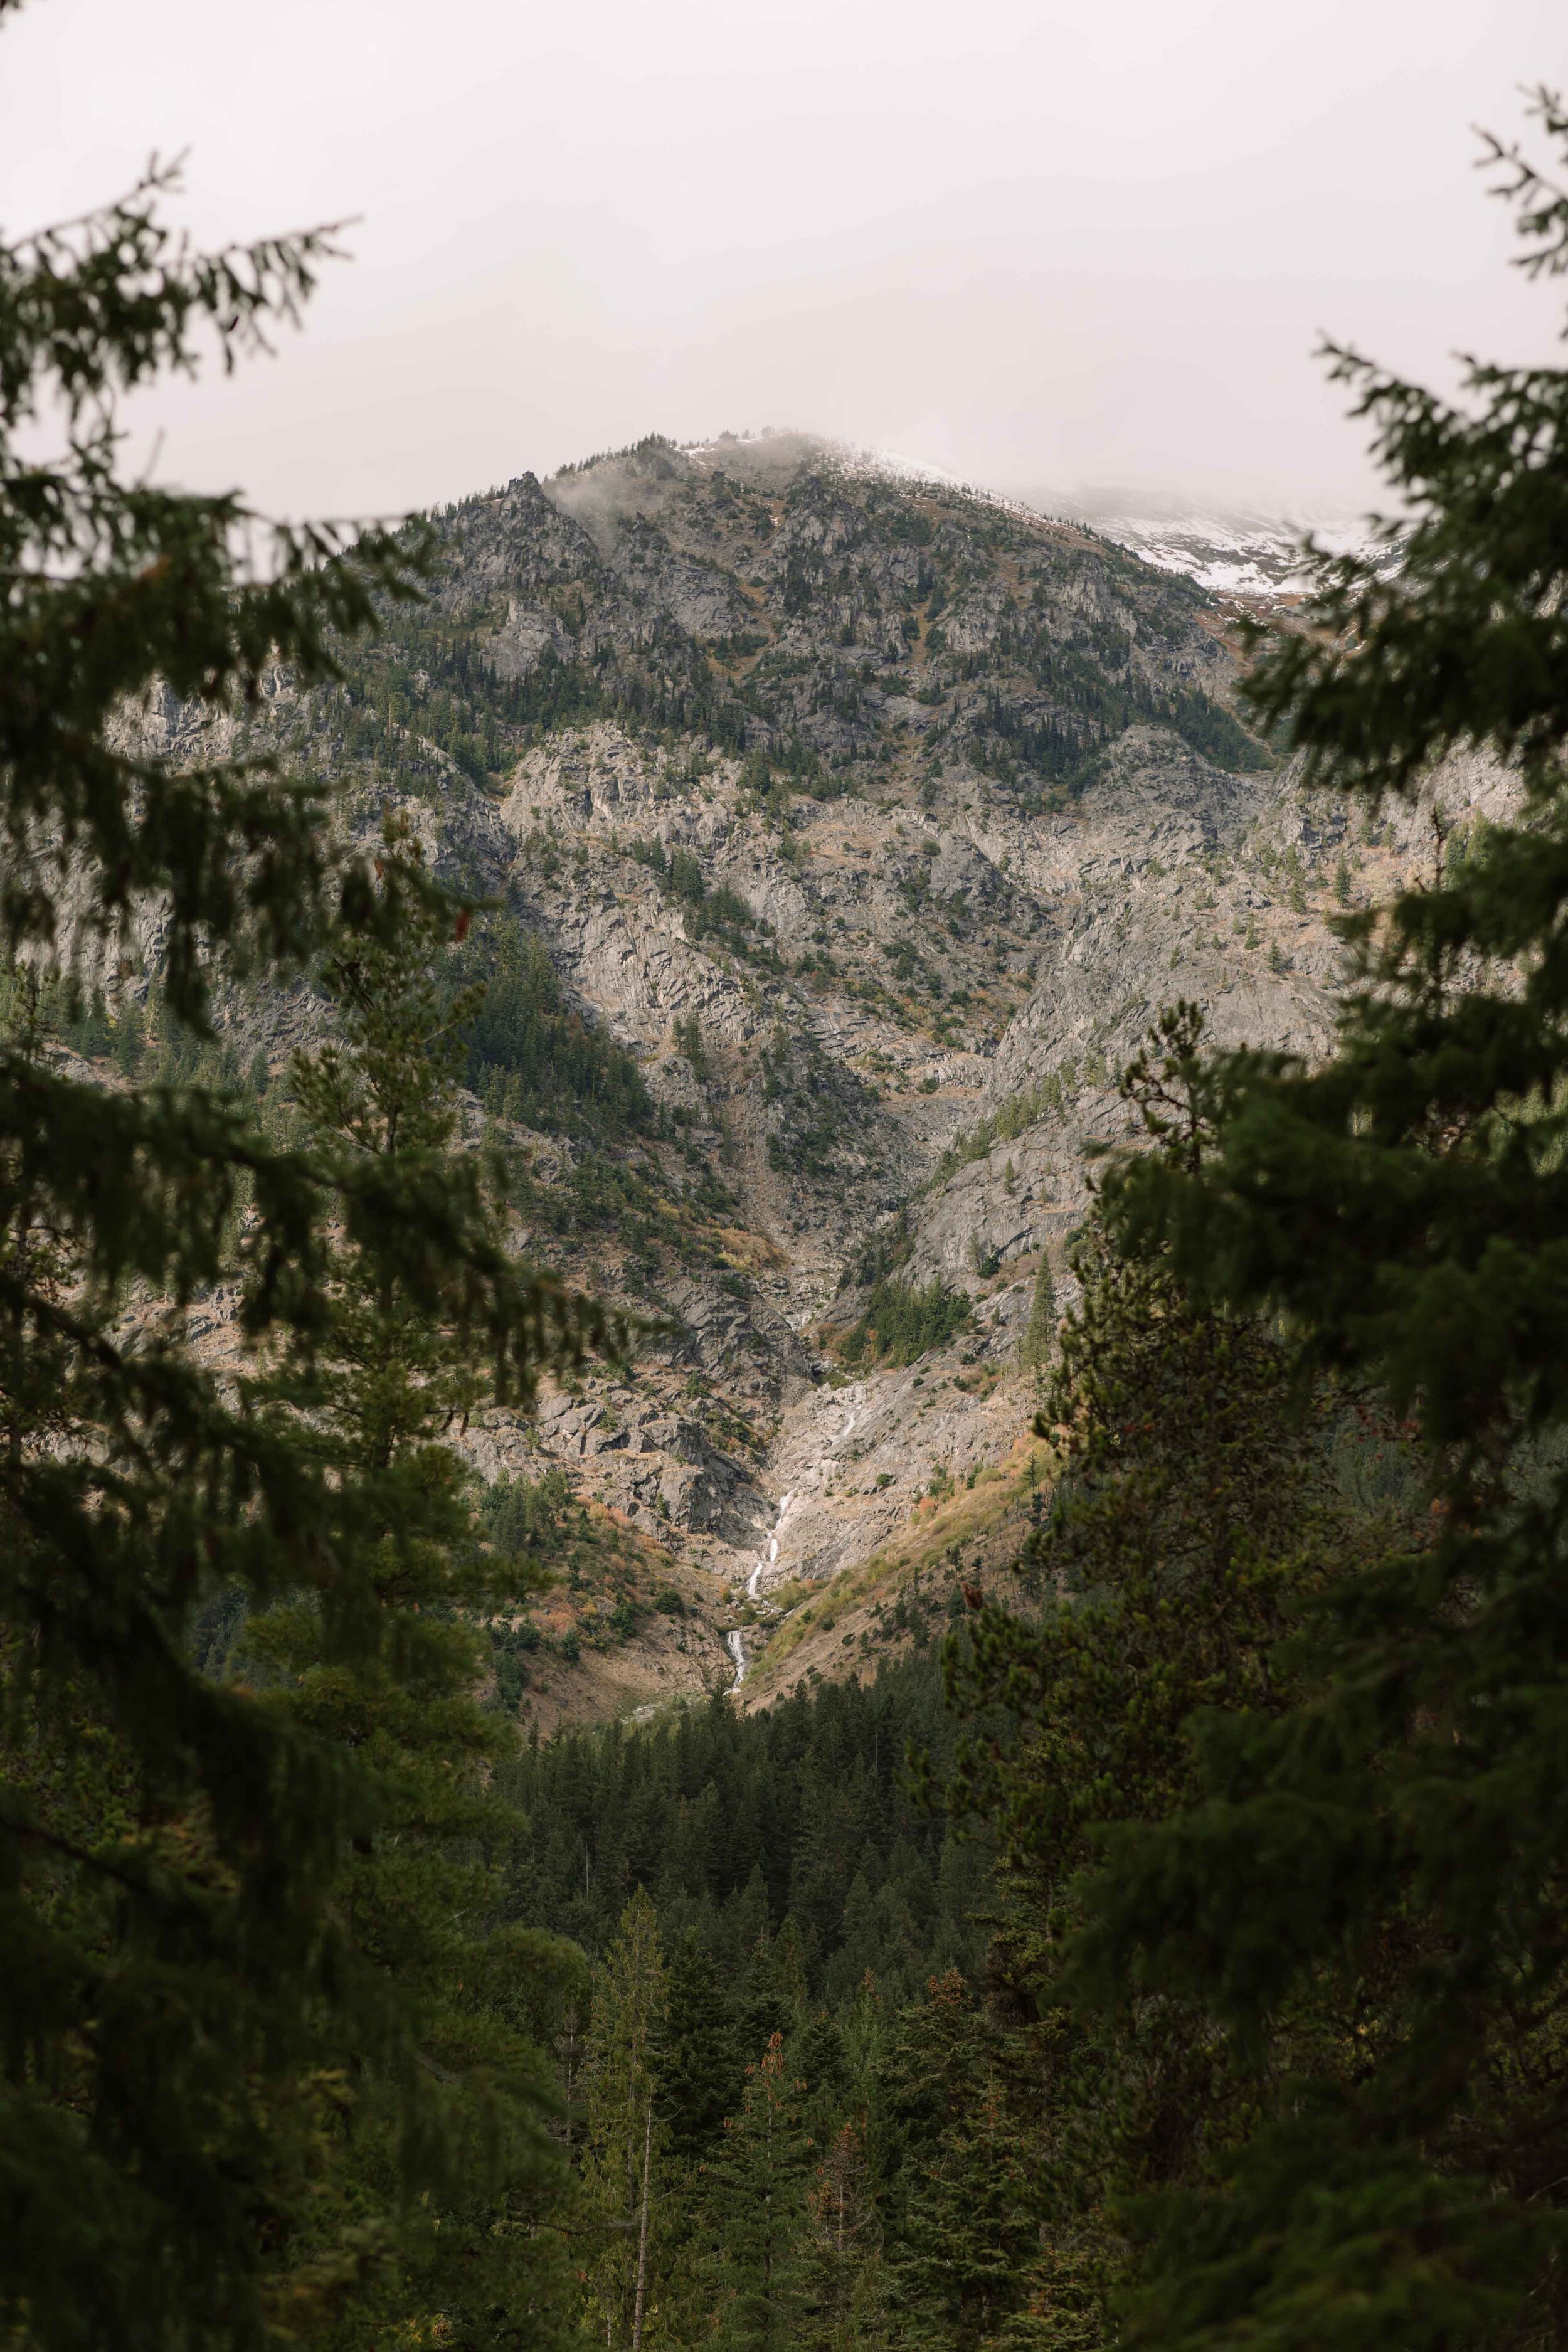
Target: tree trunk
(642, 2229)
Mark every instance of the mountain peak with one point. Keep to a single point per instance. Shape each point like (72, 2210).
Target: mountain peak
(845, 828)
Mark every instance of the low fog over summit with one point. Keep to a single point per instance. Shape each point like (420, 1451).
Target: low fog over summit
(1030, 244)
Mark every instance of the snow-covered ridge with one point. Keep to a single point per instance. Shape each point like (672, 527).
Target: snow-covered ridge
(1255, 560)
(1230, 552)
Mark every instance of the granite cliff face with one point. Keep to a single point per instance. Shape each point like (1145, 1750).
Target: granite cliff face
(872, 822)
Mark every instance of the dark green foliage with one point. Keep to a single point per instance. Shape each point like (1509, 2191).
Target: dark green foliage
(375, 1393)
(162, 591)
(527, 1518)
(600, 1191)
(689, 1038)
(805, 2141)
(624, 2207)
(1190, 1508)
(1271, 2047)
(557, 693)
(1039, 1339)
(903, 1321)
(539, 1536)
(820, 1114)
(710, 913)
(699, 2065)
(1091, 696)
(838, 2280)
(1463, 642)
(965, 2228)
(429, 684)
(1260, 2039)
(145, 1041)
(966, 2157)
(1195, 1505)
(890, 1249)
(757, 2181)
(177, 1970)
(735, 1824)
(529, 1058)
(1213, 731)
(1385, 1853)
(513, 1641)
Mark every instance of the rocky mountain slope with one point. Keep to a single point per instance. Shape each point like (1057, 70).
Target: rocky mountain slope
(844, 834)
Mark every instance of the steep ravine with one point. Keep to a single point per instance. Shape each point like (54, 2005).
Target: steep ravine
(869, 825)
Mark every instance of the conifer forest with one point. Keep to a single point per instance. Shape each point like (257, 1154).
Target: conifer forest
(784, 1411)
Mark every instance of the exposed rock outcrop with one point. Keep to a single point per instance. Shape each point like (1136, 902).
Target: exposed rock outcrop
(876, 822)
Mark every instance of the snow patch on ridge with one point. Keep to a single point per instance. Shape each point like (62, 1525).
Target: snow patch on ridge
(1231, 551)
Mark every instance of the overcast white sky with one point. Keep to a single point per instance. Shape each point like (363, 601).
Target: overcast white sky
(1035, 242)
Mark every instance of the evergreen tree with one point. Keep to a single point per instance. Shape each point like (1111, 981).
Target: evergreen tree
(1195, 1507)
(841, 2288)
(375, 1391)
(624, 2135)
(177, 1972)
(1191, 1507)
(817, 2056)
(701, 2069)
(756, 2194)
(958, 2262)
(766, 1988)
(1040, 1332)
(1393, 1840)
(712, 1812)
(753, 1921)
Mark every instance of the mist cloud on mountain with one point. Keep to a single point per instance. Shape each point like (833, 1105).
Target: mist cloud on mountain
(1031, 241)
